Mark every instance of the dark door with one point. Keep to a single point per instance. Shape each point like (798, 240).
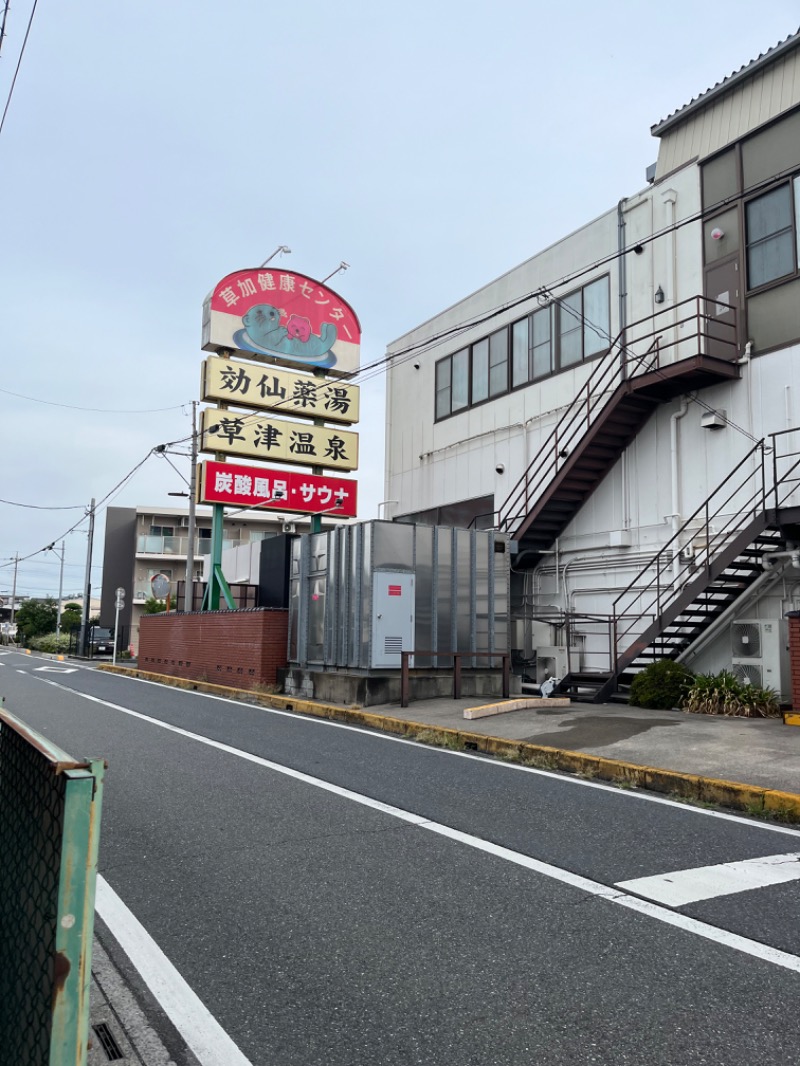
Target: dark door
(723, 292)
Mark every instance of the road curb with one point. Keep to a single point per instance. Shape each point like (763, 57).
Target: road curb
(754, 799)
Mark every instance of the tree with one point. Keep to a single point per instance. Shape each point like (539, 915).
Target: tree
(70, 617)
(36, 617)
(154, 606)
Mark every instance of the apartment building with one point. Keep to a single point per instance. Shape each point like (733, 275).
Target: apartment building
(142, 542)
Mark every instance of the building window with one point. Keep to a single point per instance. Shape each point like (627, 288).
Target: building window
(520, 370)
(162, 531)
(498, 363)
(771, 247)
(772, 239)
(443, 387)
(550, 339)
(541, 352)
(596, 324)
(583, 323)
(570, 330)
(460, 380)
(480, 371)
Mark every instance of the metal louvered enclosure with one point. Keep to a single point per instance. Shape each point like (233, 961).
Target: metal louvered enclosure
(361, 594)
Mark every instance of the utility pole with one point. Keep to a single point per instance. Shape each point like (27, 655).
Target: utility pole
(14, 589)
(188, 599)
(60, 591)
(87, 586)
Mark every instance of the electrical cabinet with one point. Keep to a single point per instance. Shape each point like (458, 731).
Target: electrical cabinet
(392, 617)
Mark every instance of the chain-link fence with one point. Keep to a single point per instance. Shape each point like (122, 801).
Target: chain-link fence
(49, 829)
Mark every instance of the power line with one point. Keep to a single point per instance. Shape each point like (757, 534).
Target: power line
(116, 489)
(97, 410)
(623, 348)
(377, 366)
(569, 279)
(19, 62)
(41, 507)
(6, 6)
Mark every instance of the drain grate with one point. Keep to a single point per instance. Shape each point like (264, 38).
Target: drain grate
(108, 1043)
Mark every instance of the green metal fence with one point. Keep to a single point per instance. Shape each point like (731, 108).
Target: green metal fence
(50, 808)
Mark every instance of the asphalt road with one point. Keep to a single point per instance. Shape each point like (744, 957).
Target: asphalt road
(341, 897)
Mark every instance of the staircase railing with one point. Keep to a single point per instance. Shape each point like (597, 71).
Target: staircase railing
(751, 488)
(687, 327)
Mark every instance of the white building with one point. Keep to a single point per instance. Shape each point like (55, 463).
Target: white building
(624, 404)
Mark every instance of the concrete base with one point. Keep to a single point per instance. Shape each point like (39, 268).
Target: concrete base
(489, 709)
(371, 690)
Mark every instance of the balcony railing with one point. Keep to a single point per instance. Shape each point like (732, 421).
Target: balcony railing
(179, 546)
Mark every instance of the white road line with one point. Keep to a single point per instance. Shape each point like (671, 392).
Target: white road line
(562, 778)
(609, 893)
(198, 1027)
(725, 879)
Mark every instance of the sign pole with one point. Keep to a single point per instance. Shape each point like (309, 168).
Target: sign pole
(188, 599)
(216, 580)
(87, 587)
(316, 520)
(118, 605)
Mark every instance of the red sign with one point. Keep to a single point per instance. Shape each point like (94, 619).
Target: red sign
(285, 317)
(395, 590)
(276, 490)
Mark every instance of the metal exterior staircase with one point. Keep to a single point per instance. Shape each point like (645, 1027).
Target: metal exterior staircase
(683, 348)
(679, 594)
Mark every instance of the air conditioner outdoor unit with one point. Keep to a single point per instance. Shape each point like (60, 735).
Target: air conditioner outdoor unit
(755, 652)
(289, 527)
(550, 662)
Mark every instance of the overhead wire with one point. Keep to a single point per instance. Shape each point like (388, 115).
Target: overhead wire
(19, 64)
(623, 348)
(6, 6)
(87, 512)
(97, 410)
(42, 507)
(378, 366)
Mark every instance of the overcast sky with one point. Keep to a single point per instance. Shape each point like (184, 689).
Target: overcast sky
(150, 148)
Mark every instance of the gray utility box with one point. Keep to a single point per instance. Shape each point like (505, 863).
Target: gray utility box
(360, 594)
(392, 617)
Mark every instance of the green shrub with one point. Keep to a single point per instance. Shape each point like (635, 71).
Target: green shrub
(50, 643)
(661, 685)
(723, 693)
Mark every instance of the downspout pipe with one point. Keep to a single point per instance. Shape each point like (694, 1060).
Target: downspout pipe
(675, 417)
(622, 282)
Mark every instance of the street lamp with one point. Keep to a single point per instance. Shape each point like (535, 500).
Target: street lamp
(192, 486)
(52, 548)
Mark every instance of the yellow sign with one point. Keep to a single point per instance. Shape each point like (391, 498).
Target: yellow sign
(256, 436)
(269, 388)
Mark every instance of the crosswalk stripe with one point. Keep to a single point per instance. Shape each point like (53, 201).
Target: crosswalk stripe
(707, 882)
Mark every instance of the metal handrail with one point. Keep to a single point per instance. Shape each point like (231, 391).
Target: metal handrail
(617, 365)
(661, 590)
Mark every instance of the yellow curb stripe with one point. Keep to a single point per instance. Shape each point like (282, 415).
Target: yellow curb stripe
(732, 794)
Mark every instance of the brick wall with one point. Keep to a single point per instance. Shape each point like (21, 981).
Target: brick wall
(794, 657)
(239, 648)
